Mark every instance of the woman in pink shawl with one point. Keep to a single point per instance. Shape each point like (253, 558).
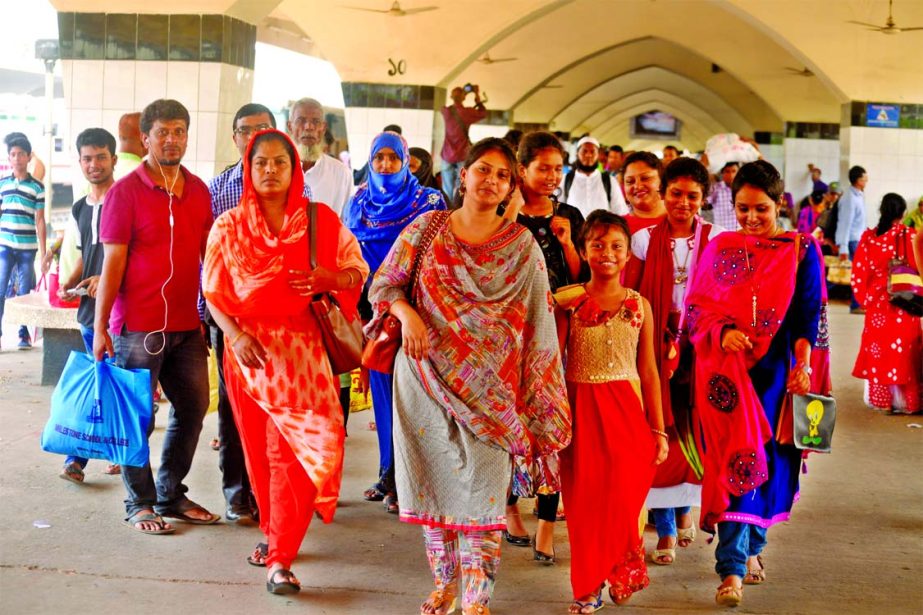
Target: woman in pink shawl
(755, 312)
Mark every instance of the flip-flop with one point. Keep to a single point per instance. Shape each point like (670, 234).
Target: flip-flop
(152, 517)
(289, 586)
(259, 555)
(755, 576)
(73, 473)
(184, 516)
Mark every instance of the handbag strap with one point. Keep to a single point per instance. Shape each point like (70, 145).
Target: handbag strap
(435, 224)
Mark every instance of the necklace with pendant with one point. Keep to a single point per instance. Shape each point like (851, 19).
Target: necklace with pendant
(681, 273)
(753, 288)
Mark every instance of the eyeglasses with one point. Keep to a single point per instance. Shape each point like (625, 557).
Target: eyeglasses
(246, 131)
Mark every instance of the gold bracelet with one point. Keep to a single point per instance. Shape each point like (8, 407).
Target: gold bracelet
(660, 433)
(237, 337)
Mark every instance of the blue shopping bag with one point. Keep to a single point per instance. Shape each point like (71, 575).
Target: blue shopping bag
(100, 411)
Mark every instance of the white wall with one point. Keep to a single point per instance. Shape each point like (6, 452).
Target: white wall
(823, 153)
(364, 123)
(774, 154)
(98, 92)
(893, 159)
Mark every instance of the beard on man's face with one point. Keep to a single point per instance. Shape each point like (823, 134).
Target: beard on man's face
(310, 153)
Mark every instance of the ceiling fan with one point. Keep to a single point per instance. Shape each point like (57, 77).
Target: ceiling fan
(395, 10)
(890, 26)
(801, 72)
(489, 60)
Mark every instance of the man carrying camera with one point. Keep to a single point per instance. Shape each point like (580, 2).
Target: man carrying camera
(457, 120)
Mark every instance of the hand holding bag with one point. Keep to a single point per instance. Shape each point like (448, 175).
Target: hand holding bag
(814, 419)
(905, 287)
(380, 352)
(100, 411)
(342, 337)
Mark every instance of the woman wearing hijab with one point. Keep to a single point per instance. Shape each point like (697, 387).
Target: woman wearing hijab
(421, 165)
(390, 200)
(258, 287)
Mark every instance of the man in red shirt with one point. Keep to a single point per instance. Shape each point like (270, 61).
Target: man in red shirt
(455, 147)
(154, 229)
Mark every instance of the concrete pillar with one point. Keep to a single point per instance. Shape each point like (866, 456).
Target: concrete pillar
(813, 143)
(887, 141)
(117, 63)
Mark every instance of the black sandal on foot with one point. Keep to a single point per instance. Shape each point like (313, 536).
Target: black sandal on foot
(259, 555)
(373, 494)
(391, 504)
(289, 584)
(517, 541)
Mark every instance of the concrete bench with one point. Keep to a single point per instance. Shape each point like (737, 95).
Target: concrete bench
(60, 330)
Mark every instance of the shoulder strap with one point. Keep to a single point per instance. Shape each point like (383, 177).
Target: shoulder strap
(568, 182)
(607, 184)
(435, 224)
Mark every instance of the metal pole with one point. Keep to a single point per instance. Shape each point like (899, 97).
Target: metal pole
(49, 132)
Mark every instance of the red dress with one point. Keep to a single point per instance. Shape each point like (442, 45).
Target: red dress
(607, 470)
(890, 354)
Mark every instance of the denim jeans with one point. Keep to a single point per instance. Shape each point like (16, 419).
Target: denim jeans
(853, 304)
(450, 178)
(182, 369)
(235, 483)
(736, 543)
(665, 519)
(20, 263)
(87, 334)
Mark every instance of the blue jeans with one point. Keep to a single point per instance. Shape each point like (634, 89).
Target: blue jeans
(22, 264)
(87, 334)
(853, 304)
(182, 369)
(450, 178)
(665, 519)
(736, 543)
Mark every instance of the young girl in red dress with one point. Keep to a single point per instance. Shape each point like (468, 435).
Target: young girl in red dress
(607, 333)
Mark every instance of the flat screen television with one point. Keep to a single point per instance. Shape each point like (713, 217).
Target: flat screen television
(655, 125)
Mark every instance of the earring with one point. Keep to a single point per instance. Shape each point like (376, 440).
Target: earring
(461, 189)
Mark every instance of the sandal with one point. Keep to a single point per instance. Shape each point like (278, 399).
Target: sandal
(373, 494)
(476, 609)
(289, 584)
(517, 541)
(685, 536)
(755, 576)
(113, 469)
(161, 526)
(182, 510)
(391, 504)
(587, 606)
(440, 602)
(72, 472)
(259, 555)
(729, 595)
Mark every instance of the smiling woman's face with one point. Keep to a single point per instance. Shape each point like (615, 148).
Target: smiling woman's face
(757, 214)
(271, 169)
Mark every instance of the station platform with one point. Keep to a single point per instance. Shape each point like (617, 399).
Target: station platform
(854, 544)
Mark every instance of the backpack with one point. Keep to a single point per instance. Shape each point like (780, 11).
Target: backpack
(569, 181)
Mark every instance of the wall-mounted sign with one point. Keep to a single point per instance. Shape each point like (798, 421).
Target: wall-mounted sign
(882, 116)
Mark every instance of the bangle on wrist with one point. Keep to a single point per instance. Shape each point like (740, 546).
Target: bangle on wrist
(660, 432)
(349, 275)
(237, 337)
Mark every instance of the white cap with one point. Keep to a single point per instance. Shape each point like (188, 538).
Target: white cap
(587, 139)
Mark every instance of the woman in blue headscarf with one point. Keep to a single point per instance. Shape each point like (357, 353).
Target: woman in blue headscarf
(391, 199)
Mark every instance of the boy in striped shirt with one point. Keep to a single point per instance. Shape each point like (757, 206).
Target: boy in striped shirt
(22, 226)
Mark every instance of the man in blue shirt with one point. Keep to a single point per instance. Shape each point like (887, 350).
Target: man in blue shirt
(22, 226)
(851, 222)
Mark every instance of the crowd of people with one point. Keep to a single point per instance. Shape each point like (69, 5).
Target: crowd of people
(553, 324)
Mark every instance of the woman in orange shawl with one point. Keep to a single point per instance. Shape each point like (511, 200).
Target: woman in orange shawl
(282, 391)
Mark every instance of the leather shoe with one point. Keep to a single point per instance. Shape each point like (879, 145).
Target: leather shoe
(240, 515)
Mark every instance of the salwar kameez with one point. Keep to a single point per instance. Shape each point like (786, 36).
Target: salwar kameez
(490, 388)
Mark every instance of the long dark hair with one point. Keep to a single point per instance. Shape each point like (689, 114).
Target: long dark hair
(892, 208)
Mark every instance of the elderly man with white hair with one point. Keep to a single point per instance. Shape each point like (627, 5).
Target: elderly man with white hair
(588, 188)
(329, 179)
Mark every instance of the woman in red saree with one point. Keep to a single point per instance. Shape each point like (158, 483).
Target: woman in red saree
(755, 309)
(666, 257)
(284, 396)
(641, 176)
(891, 353)
(618, 436)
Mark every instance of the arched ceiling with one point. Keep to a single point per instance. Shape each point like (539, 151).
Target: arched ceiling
(693, 131)
(582, 44)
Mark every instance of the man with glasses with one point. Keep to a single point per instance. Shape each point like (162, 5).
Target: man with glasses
(330, 180)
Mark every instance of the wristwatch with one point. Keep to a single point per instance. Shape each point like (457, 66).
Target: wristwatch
(807, 369)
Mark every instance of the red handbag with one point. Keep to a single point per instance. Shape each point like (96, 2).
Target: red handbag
(379, 353)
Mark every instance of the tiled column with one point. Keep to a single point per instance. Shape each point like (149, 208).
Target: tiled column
(892, 156)
(118, 63)
(813, 143)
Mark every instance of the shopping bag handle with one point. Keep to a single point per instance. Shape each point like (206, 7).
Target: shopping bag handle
(96, 415)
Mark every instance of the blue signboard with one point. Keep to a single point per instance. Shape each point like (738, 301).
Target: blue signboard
(882, 116)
